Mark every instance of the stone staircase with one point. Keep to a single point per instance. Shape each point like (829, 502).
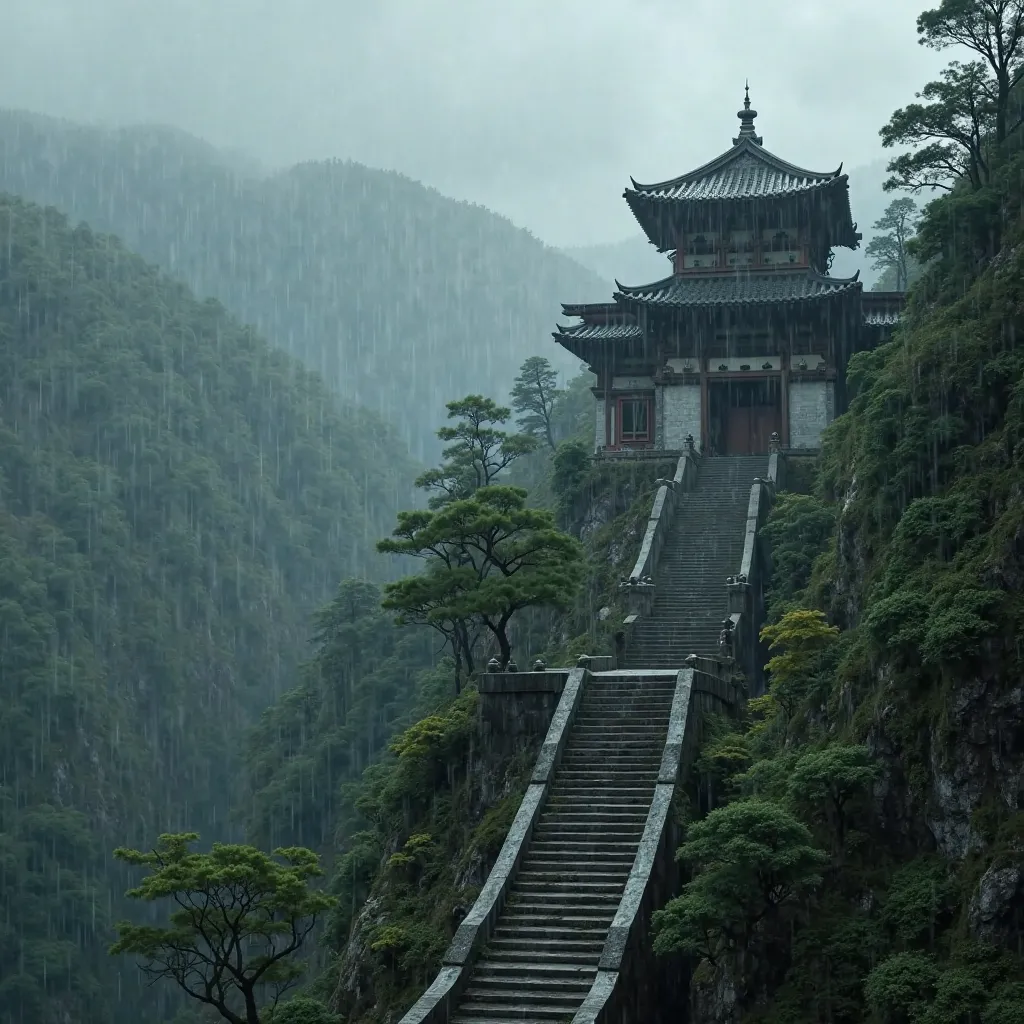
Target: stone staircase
(703, 547)
(543, 955)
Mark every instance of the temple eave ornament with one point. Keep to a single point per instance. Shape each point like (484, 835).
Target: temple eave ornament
(746, 116)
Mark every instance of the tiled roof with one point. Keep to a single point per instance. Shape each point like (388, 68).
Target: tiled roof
(747, 288)
(885, 318)
(882, 309)
(744, 172)
(606, 331)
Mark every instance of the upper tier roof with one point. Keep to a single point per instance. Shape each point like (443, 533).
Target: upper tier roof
(746, 172)
(737, 289)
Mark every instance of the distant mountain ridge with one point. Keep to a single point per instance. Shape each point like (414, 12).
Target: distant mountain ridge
(401, 297)
(177, 498)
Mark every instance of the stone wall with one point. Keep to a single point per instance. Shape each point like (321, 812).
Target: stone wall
(680, 415)
(516, 709)
(811, 409)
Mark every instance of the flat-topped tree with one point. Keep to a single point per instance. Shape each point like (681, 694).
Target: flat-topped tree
(240, 918)
(477, 452)
(489, 557)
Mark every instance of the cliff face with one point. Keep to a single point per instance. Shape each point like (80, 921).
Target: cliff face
(916, 913)
(419, 833)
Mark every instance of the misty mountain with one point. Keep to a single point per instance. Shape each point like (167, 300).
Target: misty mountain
(401, 297)
(632, 261)
(635, 261)
(178, 499)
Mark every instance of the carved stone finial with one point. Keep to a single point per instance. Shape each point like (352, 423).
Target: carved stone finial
(511, 666)
(688, 442)
(746, 116)
(494, 665)
(539, 666)
(774, 442)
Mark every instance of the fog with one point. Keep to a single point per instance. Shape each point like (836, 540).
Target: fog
(538, 109)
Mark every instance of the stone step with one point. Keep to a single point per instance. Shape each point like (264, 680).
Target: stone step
(621, 709)
(615, 817)
(648, 747)
(585, 862)
(600, 836)
(599, 727)
(474, 1013)
(540, 971)
(552, 882)
(477, 1013)
(572, 845)
(562, 798)
(526, 990)
(558, 830)
(521, 930)
(546, 946)
(592, 907)
(569, 919)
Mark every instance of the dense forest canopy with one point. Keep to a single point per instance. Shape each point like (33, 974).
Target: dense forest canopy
(398, 295)
(177, 499)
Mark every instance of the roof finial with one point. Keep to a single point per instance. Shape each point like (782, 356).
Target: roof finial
(746, 116)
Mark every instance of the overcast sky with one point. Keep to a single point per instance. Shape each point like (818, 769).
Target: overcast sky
(539, 109)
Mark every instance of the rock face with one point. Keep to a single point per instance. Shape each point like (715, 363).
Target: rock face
(996, 912)
(491, 772)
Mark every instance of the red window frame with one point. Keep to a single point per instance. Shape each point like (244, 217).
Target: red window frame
(634, 438)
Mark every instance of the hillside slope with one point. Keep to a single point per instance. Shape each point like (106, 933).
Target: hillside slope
(398, 295)
(176, 499)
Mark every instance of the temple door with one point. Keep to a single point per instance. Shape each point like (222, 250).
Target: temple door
(737, 431)
(764, 421)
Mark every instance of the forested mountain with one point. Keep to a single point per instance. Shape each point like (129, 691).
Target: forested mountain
(176, 499)
(398, 295)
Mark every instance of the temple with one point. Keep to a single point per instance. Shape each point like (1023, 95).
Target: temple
(744, 346)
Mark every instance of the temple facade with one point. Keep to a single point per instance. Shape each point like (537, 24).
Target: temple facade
(744, 346)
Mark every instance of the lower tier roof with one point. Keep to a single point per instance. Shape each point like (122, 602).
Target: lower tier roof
(741, 288)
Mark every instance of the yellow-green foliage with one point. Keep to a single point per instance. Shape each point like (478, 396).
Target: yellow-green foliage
(797, 641)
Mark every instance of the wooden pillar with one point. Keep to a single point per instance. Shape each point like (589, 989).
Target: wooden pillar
(785, 397)
(705, 426)
(607, 396)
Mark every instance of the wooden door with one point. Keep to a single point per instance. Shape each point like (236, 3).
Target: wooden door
(737, 431)
(749, 428)
(764, 421)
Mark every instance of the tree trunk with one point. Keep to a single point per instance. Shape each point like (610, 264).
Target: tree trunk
(252, 1015)
(504, 647)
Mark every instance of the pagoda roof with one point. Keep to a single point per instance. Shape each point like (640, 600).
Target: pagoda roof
(761, 287)
(746, 171)
(600, 332)
(602, 321)
(594, 310)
